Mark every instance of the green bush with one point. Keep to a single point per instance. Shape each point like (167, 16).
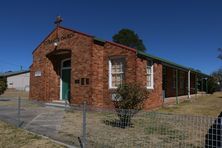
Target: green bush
(3, 84)
(212, 85)
(129, 100)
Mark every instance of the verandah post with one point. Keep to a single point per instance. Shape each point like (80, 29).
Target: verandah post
(188, 84)
(18, 113)
(84, 125)
(202, 81)
(196, 85)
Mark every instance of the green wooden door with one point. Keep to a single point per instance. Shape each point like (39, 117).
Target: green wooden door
(66, 84)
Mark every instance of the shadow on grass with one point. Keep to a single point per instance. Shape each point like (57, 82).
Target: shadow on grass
(118, 123)
(4, 99)
(214, 136)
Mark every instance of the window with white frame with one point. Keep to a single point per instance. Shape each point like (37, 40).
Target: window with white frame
(116, 72)
(149, 72)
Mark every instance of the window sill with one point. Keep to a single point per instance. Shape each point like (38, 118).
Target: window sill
(112, 88)
(149, 88)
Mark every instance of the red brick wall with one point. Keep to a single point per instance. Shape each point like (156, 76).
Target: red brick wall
(97, 76)
(155, 97)
(135, 71)
(88, 60)
(47, 87)
(101, 94)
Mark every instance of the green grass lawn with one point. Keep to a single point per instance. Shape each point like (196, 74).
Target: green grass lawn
(203, 106)
(12, 137)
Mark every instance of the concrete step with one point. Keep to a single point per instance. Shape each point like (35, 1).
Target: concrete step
(58, 104)
(59, 101)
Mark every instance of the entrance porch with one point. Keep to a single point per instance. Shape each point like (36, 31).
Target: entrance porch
(61, 62)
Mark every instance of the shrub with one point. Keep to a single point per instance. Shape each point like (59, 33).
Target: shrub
(3, 84)
(129, 100)
(212, 85)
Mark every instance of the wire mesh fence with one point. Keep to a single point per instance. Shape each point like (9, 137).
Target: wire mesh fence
(124, 128)
(36, 117)
(86, 126)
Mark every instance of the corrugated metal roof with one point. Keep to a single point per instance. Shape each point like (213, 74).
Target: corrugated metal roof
(170, 63)
(12, 73)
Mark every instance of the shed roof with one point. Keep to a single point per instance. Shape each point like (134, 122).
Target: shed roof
(13, 73)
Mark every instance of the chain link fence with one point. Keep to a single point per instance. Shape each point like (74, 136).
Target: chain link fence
(90, 127)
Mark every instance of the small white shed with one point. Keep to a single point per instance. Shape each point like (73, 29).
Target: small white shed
(18, 80)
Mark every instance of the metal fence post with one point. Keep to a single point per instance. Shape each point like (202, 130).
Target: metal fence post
(84, 125)
(202, 81)
(18, 113)
(66, 103)
(196, 87)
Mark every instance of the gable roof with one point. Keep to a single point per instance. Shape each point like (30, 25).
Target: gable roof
(13, 73)
(115, 44)
(139, 53)
(60, 28)
(43, 40)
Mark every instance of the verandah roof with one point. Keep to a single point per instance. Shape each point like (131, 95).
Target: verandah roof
(170, 63)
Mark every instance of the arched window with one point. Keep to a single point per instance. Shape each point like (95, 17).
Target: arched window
(66, 63)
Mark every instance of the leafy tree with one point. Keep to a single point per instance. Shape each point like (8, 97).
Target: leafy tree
(3, 84)
(217, 75)
(128, 101)
(212, 85)
(129, 38)
(215, 81)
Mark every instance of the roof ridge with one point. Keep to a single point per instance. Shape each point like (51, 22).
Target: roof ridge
(117, 44)
(121, 45)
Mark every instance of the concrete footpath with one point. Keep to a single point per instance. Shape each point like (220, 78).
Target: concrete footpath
(34, 117)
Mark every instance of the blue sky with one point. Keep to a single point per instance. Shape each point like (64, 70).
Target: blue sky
(187, 32)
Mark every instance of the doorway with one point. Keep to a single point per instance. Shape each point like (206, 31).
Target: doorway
(65, 79)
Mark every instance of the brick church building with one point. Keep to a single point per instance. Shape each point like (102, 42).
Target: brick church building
(73, 65)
